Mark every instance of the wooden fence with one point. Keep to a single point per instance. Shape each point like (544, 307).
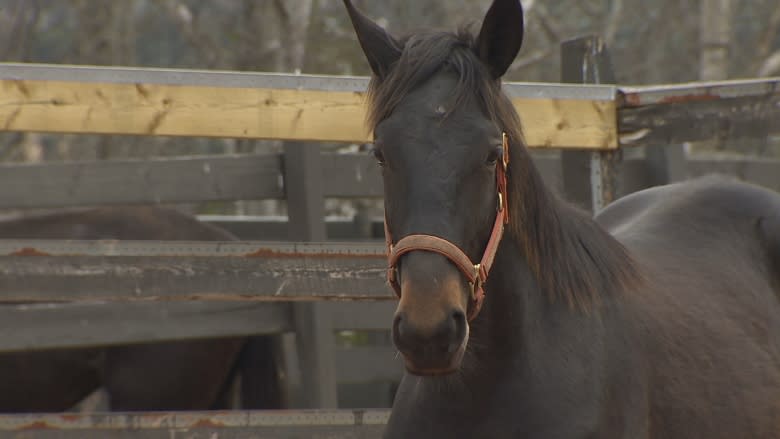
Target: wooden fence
(191, 290)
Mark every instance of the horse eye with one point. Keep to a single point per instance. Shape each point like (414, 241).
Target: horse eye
(380, 158)
(492, 157)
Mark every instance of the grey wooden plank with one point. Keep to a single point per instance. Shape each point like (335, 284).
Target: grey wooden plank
(371, 316)
(172, 180)
(303, 176)
(175, 180)
(287, 424)
(350, 176)
(369, 363)
(303, 184)
(665, 163)
(71, 325)
(140, 181)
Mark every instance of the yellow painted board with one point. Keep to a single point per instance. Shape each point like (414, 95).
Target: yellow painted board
(265, 113)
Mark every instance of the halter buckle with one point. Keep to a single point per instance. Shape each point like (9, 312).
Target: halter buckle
(477, 282)
(505, 152)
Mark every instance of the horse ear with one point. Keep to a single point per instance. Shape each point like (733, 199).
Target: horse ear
(380, 48)
(501, 36)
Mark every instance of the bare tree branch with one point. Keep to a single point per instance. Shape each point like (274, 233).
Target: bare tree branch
(548, 24)
(714, 38)
(531, 59)
(585, 7)
(771, 67)
(25, 16)
(764, 45)
(613, 22)
(186, 22)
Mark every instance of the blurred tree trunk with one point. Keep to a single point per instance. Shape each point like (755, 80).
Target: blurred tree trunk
(771, 66)
(106, 33)
(17, 22)
(105, 36)
(277, 43)
(714, 38)
(297, 18)
(769, 62)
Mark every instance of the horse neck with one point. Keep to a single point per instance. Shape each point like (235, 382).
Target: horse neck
(513, 299)
(555, 262)
(573, 259)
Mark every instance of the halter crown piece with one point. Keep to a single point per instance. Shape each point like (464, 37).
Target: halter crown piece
(475, 273)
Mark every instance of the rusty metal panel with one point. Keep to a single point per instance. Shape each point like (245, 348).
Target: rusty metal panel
(69, 271)
(282, 424)
(217, 249)
(696, 91)
(673, 114)
(88, 293)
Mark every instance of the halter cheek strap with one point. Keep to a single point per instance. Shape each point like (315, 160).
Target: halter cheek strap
(476, 274)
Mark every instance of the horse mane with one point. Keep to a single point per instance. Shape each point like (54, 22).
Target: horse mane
(571, 256)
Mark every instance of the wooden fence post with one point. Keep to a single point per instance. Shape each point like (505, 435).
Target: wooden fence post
(313, 328)
(665, 164)
(585, 60)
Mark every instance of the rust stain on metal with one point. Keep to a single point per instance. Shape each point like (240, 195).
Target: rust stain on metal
(208, 423)
(29, 251)
(37, 425)
(635, 99)
(266, 253)
(688, 98)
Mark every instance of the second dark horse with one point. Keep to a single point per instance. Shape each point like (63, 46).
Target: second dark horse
(181, 375)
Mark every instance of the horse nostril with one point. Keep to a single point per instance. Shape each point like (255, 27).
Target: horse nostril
(459, 324)
(459, 317)
(397, 328)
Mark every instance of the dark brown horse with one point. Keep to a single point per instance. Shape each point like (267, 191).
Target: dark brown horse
(658, 319)
(182, 375)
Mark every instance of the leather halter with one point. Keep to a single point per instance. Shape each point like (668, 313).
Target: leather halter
(475, 273)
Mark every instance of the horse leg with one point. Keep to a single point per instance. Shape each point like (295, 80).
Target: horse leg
(769, 236)
(261, 368)
(185, 375)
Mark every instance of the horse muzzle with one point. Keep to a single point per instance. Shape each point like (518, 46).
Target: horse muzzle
(430, 327)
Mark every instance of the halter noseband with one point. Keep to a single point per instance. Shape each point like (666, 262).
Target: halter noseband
(475, 273)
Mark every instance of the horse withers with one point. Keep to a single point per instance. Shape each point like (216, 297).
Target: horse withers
(521, 316)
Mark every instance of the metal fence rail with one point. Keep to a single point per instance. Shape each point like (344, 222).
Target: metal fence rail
(71, 271)
(287, 424)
